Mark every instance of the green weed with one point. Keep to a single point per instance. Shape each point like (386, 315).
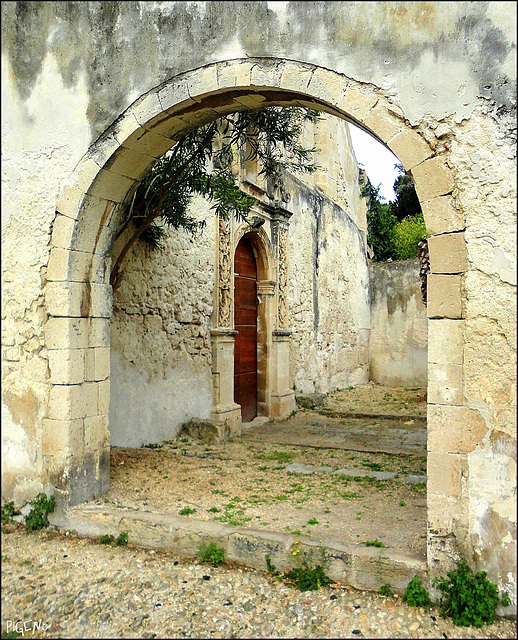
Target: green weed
(8, 511)
(37, 518)
(187, 511)
(107, 539)
(211, 554)
(373, 543)
(385, 590)
(469, 598)
(416, 595)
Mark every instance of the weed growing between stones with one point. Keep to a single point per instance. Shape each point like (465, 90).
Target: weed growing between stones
(469, 598)
(187, 511)
(37, 518)
(416, 595)
(373, 543)
(211, 554)
(120, 541)
(8, 512)
(385, 590)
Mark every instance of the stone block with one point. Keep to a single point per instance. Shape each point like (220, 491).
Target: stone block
(130, 163)
(146, 108)
(295, 77)
(125, 127)
(448, 253)
(67, 299)
(445, 383)
(327, 85)
(432, 179)
(85, 173)
(67, 402)
(76, 266)
(208, 431)
(356, 103)
(103, 399)
(62, 435)
(96, 434)
(266, 74)
(444, 296)
(148, 143)
(66, 333)
(310, 400)
(62, 232)
(441, 216)
(174, 96)
(92, 233)
(98, 332)
(454, 429)
(441, 510)
(383, 123)
(70, 201)
(202, 80)
(410, 148)
(446, 342)
(101, 301)
(67, 366)
(111, 186)
(97, 363)
(91, 393)
(444, 474)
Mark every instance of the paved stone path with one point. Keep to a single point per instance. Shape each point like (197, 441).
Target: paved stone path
(81, 589)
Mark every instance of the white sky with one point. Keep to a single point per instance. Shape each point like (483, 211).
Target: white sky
(377, 160)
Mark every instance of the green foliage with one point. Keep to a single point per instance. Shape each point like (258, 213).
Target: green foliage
(269, 564)
(312, 521)
(211, 554)
(279, 456)
(385, 590)
(373, 543)
(307, 578)
(201, 162)
(8, 511)
(186, 511)
(37, 518)
(407, 235)
(469, 598)
(394, 230)
(122, 539)
(406, 203)
(416, 595)
(107, 539)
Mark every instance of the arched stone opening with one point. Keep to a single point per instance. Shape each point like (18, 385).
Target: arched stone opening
(78, 295)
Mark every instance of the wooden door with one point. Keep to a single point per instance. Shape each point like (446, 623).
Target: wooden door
(245, 317)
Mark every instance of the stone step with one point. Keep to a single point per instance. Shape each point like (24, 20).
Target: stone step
(333, 413)
(358, 566)
(308, 469)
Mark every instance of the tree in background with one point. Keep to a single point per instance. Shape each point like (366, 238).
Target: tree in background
(201, 163)
(406, 202)
(394, 230)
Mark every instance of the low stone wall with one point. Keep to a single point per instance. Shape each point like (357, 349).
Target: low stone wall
(399, 325)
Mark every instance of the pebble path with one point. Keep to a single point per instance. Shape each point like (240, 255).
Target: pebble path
(79, 588)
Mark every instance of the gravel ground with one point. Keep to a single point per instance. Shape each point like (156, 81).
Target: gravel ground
(81, 589)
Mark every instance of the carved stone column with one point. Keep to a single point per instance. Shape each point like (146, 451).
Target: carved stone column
(223, 336)
(282, 396)
(266, 316)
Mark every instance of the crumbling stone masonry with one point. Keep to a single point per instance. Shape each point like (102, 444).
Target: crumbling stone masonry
(93, 93)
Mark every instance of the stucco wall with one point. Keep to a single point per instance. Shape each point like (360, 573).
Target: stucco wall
(441, 74)
(398, 353)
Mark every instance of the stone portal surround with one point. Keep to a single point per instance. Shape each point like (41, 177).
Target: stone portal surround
(78, 296)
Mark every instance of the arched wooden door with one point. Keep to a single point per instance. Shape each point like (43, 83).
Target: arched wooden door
(245, 320)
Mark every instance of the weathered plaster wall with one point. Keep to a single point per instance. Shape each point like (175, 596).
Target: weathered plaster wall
(398, 353)
(161, 351)
(69, 70)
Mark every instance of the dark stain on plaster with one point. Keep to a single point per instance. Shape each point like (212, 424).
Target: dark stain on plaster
(502, 443)
(24, 410)
(127, 48)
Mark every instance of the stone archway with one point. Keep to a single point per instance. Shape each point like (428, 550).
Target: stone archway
(78, 296)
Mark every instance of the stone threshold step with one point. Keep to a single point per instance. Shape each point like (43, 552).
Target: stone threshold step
(358, 566)
(332, 413)
(308, 469)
